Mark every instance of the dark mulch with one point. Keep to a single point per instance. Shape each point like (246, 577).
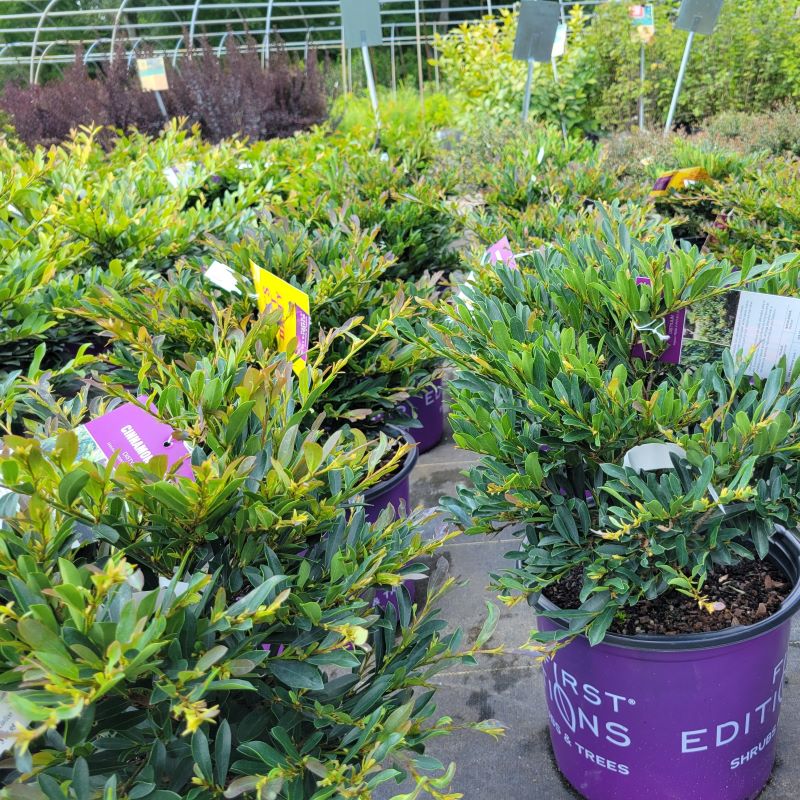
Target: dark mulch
(750, 591)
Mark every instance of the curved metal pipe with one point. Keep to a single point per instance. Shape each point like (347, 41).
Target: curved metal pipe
(267, 27)
(176, 50)
(222, 42)
(195, 10)
(115, 28)
(41, 60)
(92, 47)
(34, 72)
(132, 53)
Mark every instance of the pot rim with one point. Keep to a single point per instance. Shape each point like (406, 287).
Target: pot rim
(784, 550)
(389, 483)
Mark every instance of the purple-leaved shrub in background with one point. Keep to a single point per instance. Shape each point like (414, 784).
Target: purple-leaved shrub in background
(226, 96)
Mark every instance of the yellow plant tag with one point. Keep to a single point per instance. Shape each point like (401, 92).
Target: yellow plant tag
(679, 179)
(295, 324)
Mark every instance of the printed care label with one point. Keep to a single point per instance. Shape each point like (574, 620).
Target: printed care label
(671, 329)
(136, 435)
(152, 74)
(501, 251)
(9, 720)
(295, 326)
(679, 179)
(768, 326)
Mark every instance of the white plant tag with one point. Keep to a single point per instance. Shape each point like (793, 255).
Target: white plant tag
(223, 276)
(652, 456)
(178, 174)
(180, 586)
(163, 585)
(656, 455)
(9, 718)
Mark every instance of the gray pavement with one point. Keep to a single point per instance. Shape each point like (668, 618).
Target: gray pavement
(510, 688)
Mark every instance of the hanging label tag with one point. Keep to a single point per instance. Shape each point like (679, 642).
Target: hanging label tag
(223, 276)
(768, 326)
(560, 41)
(679, 179)
(652, 456)
(501, 251)
(294, 304)
(9, 719)
(138, 436)
(671, 330)
(658, 455)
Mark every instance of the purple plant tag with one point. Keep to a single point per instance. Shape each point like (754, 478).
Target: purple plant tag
(138, 436)
(303, 327)
(674, 325)
(663, 182)
(501, 251)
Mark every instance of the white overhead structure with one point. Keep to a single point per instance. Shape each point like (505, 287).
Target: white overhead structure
(34, 33)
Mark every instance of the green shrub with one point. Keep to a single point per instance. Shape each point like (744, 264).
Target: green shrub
(476, 64)
(551, 394)
(745, 64)
(169, 637)
(749, 62)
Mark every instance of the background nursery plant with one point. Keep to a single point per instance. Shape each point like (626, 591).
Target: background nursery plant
(214, 636)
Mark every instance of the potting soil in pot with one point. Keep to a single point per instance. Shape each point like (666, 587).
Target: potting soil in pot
(672, 712)
(751, 590)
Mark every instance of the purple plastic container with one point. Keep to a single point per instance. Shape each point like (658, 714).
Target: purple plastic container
(394, 490)
(690, 717)
(428, 409)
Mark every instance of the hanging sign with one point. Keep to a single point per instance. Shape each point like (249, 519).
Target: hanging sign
(698, 16)
(223, 276)
(361, 23)
(537, 24)
(295, 325)
(644, 22)
(152, 74)
(669, 330)
(136, 436)
(766, 326)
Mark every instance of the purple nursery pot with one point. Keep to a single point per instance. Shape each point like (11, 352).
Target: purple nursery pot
(428, 409)
(689, 717)
(393, 490)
